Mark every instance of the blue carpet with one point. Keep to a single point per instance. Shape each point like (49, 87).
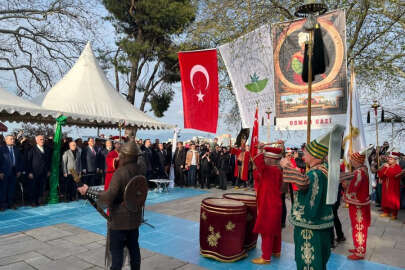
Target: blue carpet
(172, 236)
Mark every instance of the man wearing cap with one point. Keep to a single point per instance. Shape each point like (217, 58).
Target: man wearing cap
(268, 221)
(124, 223)
(357, 195)
(311, 213)
(390, 175)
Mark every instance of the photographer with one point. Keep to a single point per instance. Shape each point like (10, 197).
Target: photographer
(206, 166)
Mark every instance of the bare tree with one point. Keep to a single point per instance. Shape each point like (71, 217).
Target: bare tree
(39, 40)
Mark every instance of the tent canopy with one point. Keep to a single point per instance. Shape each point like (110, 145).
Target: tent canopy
(86, 93)
(17, 109)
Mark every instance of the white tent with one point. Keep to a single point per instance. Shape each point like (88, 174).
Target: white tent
(17, 109)
(85, 90)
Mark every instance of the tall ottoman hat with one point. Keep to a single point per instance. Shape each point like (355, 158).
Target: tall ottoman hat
(329, 145)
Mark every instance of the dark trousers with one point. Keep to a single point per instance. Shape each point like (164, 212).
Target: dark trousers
(36, 187)
(7, 191)
(178, 176)
(90, 179)
(336, 222)
(70, 188)
(239, 182)
(223, 179)
(284, 210)
(125, 238)
(378, 197)
(205, 179)
(191, 177)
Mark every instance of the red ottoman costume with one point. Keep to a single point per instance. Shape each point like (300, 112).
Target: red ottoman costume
(358, 197)
(390, 188)
(244, 157)
(269, 205)
(112, 164)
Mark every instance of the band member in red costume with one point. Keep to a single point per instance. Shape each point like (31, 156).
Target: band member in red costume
(268, 222)
(242, 164)
(357, 195)
(111, 164)
(390, 174)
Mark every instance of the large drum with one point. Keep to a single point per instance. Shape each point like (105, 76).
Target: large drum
(250, 201)
(222, 229)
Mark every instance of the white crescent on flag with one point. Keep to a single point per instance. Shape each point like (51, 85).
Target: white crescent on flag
(203, 70)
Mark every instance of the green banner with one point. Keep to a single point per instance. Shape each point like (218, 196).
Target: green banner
(57, 142)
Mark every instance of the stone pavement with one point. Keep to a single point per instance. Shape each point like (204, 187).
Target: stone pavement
(64, 246)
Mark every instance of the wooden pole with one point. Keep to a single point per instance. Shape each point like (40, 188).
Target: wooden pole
(310, 52)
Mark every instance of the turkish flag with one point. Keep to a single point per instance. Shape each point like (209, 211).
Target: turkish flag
(254, 144)
(199, 81)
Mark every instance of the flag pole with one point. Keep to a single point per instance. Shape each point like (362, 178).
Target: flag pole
(375, 106)
(351, 112)
(268, 112)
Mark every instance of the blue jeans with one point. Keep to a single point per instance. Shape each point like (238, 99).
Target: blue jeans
(118, 240)
(192, 175)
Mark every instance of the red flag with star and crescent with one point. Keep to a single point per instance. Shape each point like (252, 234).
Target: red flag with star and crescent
(254, 145)
(199, 82)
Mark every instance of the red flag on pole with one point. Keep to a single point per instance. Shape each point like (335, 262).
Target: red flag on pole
(199, 81)
(254, 144)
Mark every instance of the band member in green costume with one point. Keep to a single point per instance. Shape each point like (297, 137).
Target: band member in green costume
(311, 213)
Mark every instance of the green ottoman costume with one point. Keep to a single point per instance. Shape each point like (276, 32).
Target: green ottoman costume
(311, 213)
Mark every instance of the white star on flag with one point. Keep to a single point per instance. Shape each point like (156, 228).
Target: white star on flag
(200, 96)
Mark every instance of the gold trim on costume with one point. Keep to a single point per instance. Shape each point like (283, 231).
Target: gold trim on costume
(203, 216)
(315, 190)
(307, 250)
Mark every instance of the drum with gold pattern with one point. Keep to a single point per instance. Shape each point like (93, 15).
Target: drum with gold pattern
(250, 201)
(222, 229)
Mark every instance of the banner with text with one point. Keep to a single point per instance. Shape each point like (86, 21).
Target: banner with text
(249, 61)
(329, 90)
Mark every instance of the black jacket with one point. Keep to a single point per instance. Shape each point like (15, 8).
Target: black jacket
(38, 162)
(179, 157)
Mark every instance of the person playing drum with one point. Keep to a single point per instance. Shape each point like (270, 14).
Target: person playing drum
(269, 205)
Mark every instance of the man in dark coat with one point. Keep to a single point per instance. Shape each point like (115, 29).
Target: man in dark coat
(38, 168)
(179, 162)
(161, 157)
(124, 224)
(11, 166)
(224, 168)
(90, 163)
(148, 155)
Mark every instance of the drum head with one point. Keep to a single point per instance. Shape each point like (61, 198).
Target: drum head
(240, 196)
(135, 193)
(222, 202)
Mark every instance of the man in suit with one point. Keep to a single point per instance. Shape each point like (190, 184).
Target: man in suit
(71, 160)
(90, 163)
(148, 155)
(11, 168)
(38, 168)
(179, 162)
(161, 157)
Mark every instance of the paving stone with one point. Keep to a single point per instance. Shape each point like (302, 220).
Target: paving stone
(21, 247)
(145, 253)
(17, 266)
(15, 238)
(93, 256)
(38, 261)
(161, 262)
(18, 258)
(389, 256)
(68, 263)
(58, 252)
(47, 233)
(84, 238)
